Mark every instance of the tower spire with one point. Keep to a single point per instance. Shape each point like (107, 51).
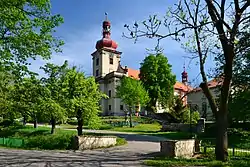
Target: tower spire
(184, 75)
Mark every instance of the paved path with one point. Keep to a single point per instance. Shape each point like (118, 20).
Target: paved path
(138, 148)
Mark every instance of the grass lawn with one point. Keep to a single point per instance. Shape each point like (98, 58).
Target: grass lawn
(41, 138)
(170, 162)
(207, 160)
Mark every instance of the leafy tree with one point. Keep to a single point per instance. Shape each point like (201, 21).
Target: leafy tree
(178, 109)
(182, 113)
(6, 87)
(208, 27)
(83, 98)
(132, 93)
(26, 29)
(158, 80)
(239, 106)
(239, 100)
(31, 99)
(53, 102)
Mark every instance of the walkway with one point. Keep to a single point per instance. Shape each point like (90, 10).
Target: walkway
(138, 148)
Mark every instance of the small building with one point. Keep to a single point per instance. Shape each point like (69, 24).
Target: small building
(198, 101)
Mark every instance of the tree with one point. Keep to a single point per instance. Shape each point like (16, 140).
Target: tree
(83, 98)
(31, 93)
(53, 102)
(26, 29)
(205, 28)
(132, 93)
(158, 80)
(239, 100)
(6, 87)
(182, 113)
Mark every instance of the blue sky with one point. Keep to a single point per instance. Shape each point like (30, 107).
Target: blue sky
(82, 28)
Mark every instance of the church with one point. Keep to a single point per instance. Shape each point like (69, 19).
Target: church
(108, 71)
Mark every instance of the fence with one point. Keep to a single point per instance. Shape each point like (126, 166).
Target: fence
(11, 142)
(208, 146)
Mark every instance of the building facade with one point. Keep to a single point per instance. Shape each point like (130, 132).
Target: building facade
(108, 71)
(198, 101)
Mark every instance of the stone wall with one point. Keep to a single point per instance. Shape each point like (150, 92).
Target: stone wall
(181, 127)
(91, 142)
(176, 127)
(179, 148)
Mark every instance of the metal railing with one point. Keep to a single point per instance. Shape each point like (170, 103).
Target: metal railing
(11, 142)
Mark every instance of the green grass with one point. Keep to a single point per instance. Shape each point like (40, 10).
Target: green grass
(141, 128)
(41, 138)
(170, 162)
(120, 141)
(207, 160)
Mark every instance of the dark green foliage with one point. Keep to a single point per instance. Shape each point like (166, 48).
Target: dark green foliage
(49, 142)
(6, 122)
(182, 114)
(158, 80)
(132, 93)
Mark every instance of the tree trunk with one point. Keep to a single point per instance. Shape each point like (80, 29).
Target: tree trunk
(79, 122)
(130, 118)
(35, 122)
(222, 138)
(24, 120)
(53, 125)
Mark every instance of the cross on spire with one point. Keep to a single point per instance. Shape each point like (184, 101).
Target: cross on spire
(106, 16)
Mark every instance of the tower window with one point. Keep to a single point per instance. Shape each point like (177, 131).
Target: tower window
(109, 107)
(97, 62)
(111, 60)
(109, 93)
(96, 72)
(121, 107)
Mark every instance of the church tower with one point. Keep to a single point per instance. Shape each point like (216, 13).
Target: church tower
(108, 71)
(106, 58)
(184, 75)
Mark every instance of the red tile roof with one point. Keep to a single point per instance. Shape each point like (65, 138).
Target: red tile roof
(133, 73)
(211, 84)
(182, 86)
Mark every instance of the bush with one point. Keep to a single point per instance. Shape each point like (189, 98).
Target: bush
(49, 142)
(8, 122)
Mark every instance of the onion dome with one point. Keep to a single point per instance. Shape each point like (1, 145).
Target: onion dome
(184, 75)
(106, 41)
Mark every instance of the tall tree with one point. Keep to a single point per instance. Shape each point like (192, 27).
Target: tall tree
(53, 102)
(33, 93)
(132, 93)
(83, 98)
(206, 27)
(26, 32)
(6, 87)
(239, 101)
(158, 79)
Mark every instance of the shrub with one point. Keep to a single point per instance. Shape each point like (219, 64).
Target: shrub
(49, 142)
(6, 122)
